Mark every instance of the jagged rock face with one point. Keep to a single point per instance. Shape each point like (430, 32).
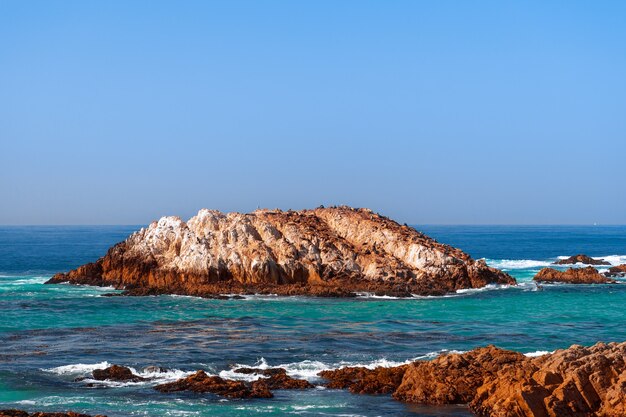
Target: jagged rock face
(583, 259)
(453, 378)
(588, 275)
(579, 382)
(361, 380)
(326, 251)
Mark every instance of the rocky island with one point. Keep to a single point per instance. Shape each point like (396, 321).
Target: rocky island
(336, 251)
(581, 259)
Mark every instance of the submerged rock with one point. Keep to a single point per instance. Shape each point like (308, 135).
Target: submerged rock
(21, 413)
(116, 373)
(582, 259)
(201, 382)
(588, 275)
(327, 252)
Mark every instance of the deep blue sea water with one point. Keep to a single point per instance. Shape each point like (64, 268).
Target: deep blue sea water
(50, 335)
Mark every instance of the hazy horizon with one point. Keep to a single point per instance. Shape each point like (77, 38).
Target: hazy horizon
(431, 113)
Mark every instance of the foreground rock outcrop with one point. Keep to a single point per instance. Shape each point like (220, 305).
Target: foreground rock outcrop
(324, 252)
(588, 275)
(360, 380)
(21, 413)
(582, 259)
(453, 378)
(579, 381)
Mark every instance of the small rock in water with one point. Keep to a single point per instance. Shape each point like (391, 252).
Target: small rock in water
(116, 373)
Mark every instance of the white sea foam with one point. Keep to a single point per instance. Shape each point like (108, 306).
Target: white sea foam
(508, 264)
(85, 370)
(537, 353)
(374, 296)
(308, 369)
(78, 368)
(614, 260)
(489, 287)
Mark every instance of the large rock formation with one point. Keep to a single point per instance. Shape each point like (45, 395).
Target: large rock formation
(588, 275)
(582, 259)
(326, 252)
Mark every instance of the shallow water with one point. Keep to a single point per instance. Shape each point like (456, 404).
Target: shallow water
(53, 334)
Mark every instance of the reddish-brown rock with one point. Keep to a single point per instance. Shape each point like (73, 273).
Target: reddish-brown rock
(116, 373)
(616, 271)
(588, 275)
(453, 378)
(201, 382)
(582, 259)
(276, 378)
(578, 382)
(323, 252)
(361, 380)
(21, 413)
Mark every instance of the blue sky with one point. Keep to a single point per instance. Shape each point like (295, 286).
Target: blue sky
(427, 111)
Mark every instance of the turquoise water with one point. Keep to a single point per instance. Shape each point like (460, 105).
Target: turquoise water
(53, 334)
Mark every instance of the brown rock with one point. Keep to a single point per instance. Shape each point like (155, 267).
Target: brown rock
(276, 378)
(617, 271)
(453, 378)
(201, 382)
(20, 413)
(329, 252)
(583, 259)
(579, 381)
(360, 380)
(116, 373)
(588, 275)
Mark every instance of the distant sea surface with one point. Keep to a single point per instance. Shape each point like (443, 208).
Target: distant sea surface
(53, 334)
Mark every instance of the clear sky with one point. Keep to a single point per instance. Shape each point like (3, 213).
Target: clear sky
(118, 112)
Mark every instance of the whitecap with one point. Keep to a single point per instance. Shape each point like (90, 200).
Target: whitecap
(152, 377)
(78, 368)
(537, 353)
(508, 264)
(309, 369)
(489, 287)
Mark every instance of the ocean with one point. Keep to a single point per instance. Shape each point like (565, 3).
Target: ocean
(53, 334)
